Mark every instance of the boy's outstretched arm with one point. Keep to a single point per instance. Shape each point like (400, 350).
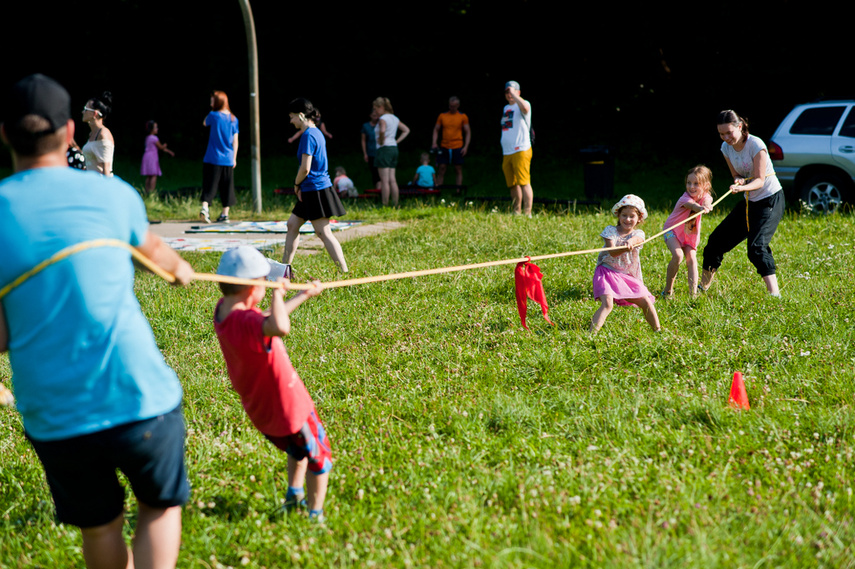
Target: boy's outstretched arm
(278, 322)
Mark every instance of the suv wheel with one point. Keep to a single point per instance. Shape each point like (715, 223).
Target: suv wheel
(822, 193)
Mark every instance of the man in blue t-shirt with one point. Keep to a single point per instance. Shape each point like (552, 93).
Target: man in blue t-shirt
(91, 385)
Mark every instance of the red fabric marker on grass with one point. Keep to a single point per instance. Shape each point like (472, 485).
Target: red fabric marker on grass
(528, 280)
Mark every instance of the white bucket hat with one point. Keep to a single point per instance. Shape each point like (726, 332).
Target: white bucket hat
(244, 262)
(634, 201)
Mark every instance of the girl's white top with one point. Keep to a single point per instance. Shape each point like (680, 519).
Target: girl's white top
(627, 263)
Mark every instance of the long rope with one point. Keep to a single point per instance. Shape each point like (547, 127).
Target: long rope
(150, 265)
(410, 274)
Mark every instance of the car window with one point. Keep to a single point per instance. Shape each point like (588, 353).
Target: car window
(848, 128)
(817, 121)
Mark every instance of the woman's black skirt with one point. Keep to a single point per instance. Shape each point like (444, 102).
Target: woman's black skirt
(319, 205)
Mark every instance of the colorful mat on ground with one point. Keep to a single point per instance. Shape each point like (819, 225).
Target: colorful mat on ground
(215, 244)
(265, 227)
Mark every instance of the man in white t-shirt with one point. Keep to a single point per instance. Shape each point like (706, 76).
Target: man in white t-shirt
(516, 147)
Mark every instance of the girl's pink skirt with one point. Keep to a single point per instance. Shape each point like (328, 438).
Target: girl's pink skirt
(619, 286)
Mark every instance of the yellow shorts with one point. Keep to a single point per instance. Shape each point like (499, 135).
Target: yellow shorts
(517, 168)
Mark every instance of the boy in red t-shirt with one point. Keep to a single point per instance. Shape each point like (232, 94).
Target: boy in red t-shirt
(272, 393)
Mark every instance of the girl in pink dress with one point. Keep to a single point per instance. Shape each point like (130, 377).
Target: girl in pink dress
(150, 161)
(683, 240)
(617, 279)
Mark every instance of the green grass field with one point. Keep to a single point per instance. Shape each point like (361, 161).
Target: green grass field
(462, 440)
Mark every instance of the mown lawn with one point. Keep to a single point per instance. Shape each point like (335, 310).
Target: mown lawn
(462, 440)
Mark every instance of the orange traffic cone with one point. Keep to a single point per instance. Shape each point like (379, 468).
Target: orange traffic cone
(738, 395)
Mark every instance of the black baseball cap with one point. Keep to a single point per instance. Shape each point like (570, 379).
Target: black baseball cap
(38, 95)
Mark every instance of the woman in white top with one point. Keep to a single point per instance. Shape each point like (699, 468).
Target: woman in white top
(98, 150)
(389, 131)
(757, 219)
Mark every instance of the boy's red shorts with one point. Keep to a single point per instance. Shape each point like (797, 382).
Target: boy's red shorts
(311, 442)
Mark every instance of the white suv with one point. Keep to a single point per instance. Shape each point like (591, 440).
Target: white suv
(814, 154)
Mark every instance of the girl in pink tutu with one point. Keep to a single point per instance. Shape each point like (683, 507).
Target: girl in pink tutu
(683, 240)
(617, 279)
(151, 161)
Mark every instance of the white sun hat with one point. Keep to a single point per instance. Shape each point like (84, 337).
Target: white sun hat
(634, 201)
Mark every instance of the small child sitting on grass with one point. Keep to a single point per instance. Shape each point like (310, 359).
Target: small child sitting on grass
(270, 390)
(344, 185)
(425, 174)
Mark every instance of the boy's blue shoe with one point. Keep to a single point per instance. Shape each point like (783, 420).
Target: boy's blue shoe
(294, 500)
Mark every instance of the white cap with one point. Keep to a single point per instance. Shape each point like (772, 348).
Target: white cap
(244, 262)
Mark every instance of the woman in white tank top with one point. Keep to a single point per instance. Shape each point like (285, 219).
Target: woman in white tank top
(389, 131)
(98, 150)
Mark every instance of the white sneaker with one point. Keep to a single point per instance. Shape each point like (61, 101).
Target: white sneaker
(203, 215)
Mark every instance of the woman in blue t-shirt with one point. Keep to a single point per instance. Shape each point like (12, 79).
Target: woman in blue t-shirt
(220, 157)
(316, 200)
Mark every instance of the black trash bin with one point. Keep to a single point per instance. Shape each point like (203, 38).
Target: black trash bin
(599, 170)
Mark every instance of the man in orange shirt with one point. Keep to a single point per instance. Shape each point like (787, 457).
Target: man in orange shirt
(454, 145)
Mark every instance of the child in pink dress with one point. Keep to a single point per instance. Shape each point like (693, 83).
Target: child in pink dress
(617, 279)
(683, 239)
(151, 161)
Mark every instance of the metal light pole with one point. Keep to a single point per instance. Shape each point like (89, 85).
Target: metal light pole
(254, 135)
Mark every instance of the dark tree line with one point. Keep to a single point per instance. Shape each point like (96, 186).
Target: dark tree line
(651, 76)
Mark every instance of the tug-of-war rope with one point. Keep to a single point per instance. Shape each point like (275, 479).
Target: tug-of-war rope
(527, 276)
(151, 266)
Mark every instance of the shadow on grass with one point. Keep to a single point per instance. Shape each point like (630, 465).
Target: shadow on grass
(704, 417)
(227, 507)
(508, 414)
(504, 292)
